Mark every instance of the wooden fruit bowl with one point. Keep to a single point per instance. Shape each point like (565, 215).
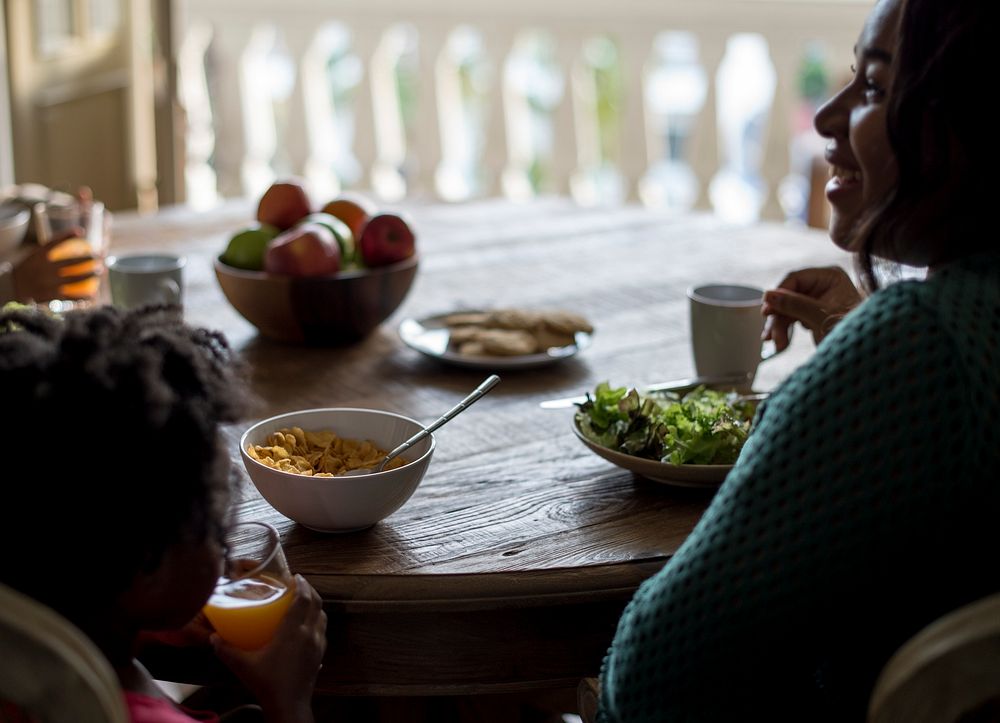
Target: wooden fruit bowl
(317, 310)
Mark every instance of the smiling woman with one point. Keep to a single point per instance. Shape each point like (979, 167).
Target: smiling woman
(871, 472)
(862, 163)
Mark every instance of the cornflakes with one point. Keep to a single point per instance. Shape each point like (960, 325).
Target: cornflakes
(318, 454)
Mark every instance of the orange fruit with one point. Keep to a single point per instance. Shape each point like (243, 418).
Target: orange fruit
(353, 209)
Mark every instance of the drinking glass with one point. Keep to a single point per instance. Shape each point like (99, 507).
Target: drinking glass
(255, 590)
(90, 216)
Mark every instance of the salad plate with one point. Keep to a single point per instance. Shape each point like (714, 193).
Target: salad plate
(705, 476)
(431, 336)
(687, 439)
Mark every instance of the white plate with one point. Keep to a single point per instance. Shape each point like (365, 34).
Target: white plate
(705, 476)
(430, 336)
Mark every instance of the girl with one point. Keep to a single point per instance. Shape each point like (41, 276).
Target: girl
(135, 402)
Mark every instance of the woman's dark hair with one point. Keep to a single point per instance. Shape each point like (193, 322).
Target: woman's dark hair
(112, 447)
(941, 136)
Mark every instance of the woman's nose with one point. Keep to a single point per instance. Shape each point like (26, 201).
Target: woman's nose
(832, 118)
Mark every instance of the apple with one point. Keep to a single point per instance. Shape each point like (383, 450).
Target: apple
(309, 249)
(284, 204)
(340, 232)
(353, 209)
(246, 247)
(387, 238)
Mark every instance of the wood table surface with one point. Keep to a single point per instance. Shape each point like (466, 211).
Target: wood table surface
(509, 566)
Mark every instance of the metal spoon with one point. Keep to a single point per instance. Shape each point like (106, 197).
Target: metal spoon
(490, 382)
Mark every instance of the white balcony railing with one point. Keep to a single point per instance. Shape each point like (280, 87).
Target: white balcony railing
(673, 102)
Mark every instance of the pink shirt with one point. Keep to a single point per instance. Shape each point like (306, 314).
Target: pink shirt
(147, 709)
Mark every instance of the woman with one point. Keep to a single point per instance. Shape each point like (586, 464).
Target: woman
(862, 505)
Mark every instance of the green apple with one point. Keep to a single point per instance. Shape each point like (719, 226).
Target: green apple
(341, 231)
(246, 247)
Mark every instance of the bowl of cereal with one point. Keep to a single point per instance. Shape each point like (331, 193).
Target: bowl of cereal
(297, 462)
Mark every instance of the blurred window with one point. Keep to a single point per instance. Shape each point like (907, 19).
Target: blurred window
(104, 17)
(55, 25)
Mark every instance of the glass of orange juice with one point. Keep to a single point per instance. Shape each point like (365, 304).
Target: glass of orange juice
(255, 590)
(90, 217)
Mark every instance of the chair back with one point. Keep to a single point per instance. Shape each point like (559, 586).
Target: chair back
(50, 670)
(948, 672)
(588, 693)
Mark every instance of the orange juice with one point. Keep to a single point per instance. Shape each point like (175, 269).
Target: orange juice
(246, 612)
(67, 250)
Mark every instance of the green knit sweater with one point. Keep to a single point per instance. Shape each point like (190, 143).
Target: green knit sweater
(865, 504)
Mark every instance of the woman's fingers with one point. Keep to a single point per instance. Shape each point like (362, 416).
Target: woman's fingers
(816, 280)
(75, 278)
(779, 330)
(75, 261)
(815, 297)
(808, 311)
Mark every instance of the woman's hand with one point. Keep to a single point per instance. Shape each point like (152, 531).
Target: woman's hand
(282, 674)
(817, 298)
(38, 278)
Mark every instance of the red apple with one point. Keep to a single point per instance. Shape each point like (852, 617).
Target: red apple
(387, 238)
(306, 250)
(284, 204)
(353, 209)
(340, 232)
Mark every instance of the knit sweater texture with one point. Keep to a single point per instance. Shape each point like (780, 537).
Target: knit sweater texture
(865, 504)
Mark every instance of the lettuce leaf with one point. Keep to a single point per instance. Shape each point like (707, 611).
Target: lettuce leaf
(704, 426)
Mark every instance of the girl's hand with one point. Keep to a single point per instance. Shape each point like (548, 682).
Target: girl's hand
(282, 674)
(817, 298)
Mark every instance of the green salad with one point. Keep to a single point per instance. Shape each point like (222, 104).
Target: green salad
(703, 426)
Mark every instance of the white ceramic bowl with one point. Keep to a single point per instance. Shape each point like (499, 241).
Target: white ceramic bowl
(13, 227)
(340, 504)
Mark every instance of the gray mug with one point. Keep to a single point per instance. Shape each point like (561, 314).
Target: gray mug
(144, 279)
(726, 326)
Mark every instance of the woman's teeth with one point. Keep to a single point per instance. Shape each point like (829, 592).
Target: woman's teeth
(845, 175)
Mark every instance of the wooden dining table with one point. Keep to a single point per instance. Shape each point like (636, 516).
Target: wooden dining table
(508, 568)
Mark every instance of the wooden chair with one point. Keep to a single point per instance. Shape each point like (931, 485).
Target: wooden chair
(50, 670)
(949, 672)
(588, 693)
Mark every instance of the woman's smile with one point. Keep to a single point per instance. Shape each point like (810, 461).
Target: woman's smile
(862, 166)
